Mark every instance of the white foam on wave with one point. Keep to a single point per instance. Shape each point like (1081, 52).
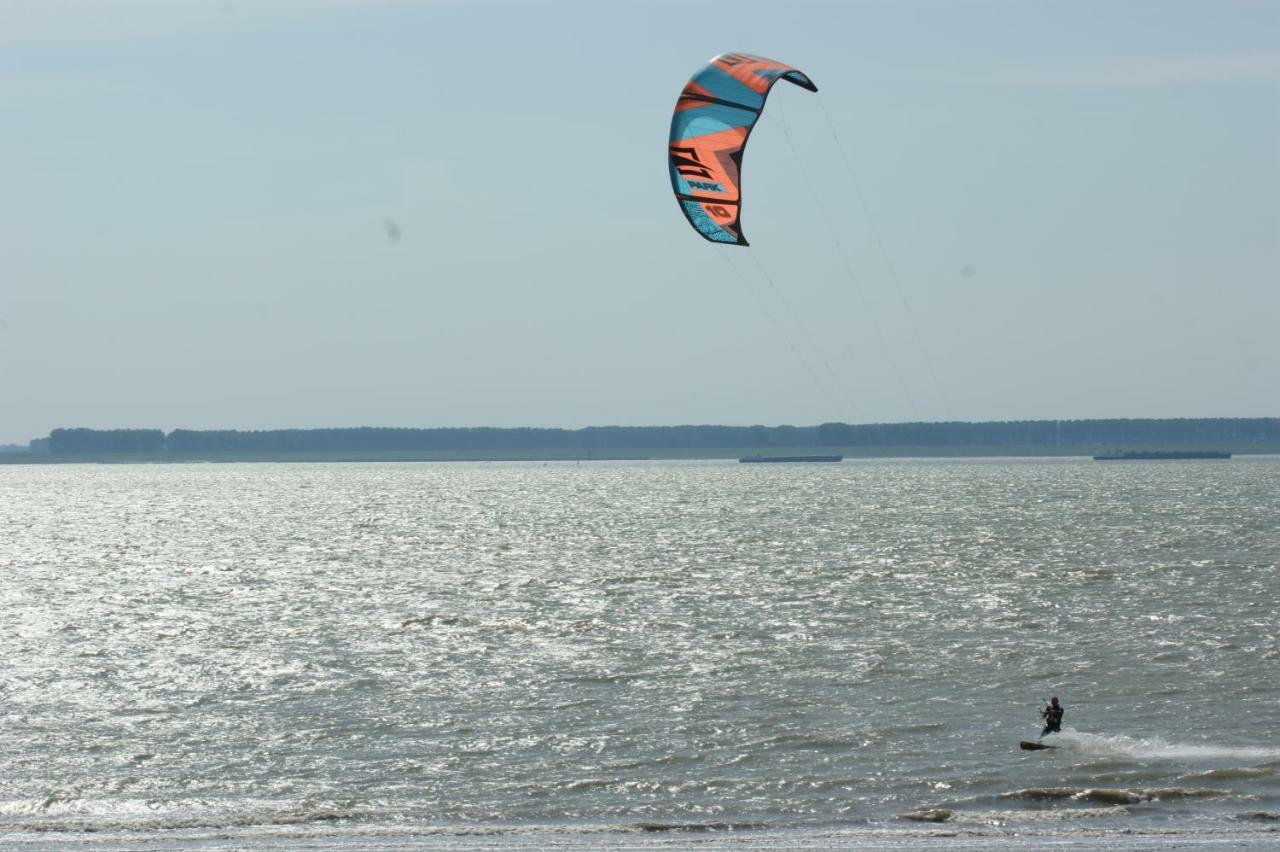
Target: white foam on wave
(68, 813)
(1118, 745)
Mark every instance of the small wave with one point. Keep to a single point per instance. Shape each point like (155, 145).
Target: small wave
(606, 678)
(656, 827)
(1118, 795)
(429, 621)
(931, 815)
(816, 741)
(922, 728)
(1235, 772)
(67, 814)
(1111, 796)
(1193, 793)
(362, 836)
(592, 784)
(1053, 814)
(1041, 793)
(1129, 777)
(1154, 747)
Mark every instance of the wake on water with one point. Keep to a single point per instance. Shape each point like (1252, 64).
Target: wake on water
(1118, 745)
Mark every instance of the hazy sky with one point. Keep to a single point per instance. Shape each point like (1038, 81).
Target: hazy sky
(293, 214)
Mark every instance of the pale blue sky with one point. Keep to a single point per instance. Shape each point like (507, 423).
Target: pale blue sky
(1032, 210)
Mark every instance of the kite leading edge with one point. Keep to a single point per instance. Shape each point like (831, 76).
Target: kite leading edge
(713, 118)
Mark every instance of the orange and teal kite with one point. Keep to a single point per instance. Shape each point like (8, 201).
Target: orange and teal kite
(713, 118)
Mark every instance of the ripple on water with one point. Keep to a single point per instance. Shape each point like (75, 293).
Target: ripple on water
(676, 645)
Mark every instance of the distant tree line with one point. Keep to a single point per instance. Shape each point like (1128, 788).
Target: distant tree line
(106, 441)
(613, 439)
(593, 438)
(1052, 433)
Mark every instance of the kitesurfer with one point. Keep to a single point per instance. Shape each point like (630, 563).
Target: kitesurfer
(1052, 715)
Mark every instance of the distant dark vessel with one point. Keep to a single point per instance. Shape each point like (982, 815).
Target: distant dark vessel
(1154, 455)
(774, 459)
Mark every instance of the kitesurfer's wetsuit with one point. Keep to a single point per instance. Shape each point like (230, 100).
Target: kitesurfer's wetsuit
(1052, 719)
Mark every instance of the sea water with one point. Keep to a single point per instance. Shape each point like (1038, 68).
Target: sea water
(638, 653)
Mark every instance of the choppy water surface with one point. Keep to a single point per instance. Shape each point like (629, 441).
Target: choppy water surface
(577, 653)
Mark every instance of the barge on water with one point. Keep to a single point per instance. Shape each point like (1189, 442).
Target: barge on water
(778, 459)
(1156, 455)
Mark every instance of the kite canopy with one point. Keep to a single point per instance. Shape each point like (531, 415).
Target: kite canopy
(713, 118)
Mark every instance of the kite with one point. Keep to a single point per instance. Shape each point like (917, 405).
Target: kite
(713, 118)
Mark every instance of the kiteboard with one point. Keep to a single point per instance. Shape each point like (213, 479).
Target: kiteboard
(1027, 745)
